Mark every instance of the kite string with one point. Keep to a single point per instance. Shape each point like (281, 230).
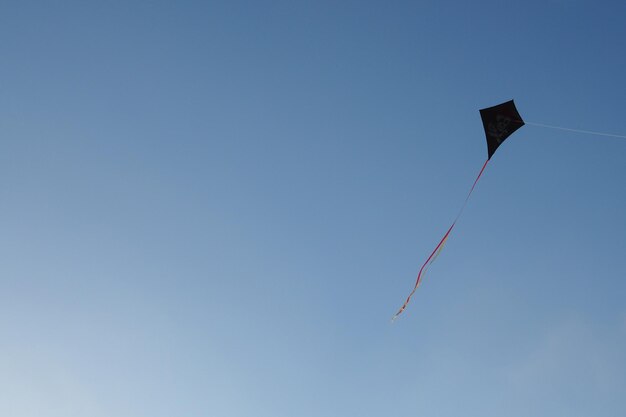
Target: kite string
(589, 132)
(431, 258)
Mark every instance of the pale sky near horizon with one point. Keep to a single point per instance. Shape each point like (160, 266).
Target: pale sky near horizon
(215, 208)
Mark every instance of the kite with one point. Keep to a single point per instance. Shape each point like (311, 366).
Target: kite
(499, 122)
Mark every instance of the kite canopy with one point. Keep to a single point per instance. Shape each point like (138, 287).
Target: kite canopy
(500, 122)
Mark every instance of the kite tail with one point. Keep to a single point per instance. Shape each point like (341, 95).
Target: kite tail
(439, 246)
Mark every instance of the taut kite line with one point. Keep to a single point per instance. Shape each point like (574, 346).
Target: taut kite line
(500, 122)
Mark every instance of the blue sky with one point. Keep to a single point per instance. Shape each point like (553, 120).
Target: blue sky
(214, 209)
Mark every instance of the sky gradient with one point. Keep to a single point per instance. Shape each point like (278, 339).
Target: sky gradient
(215, 208)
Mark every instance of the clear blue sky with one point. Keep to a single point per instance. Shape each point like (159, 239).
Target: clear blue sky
(214, 209)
